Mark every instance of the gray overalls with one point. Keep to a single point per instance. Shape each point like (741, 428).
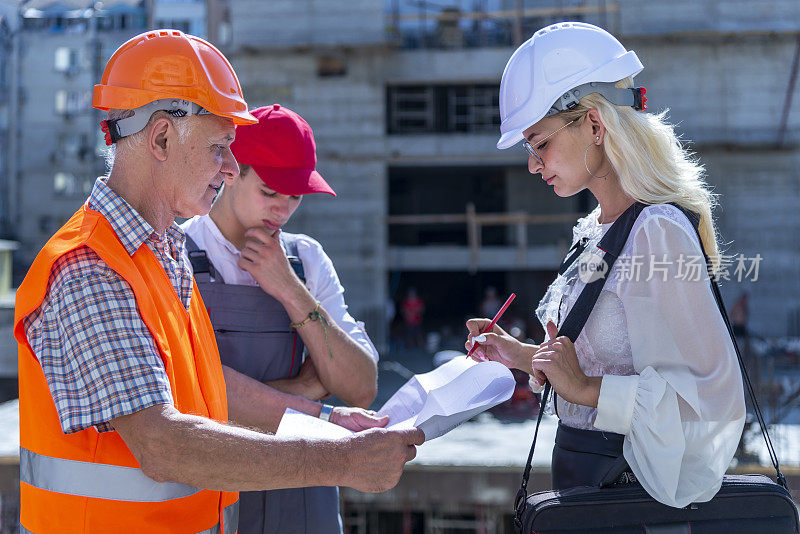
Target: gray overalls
(254, 338)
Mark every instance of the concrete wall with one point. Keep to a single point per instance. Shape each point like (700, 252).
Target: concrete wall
(759, 194)
(636, 17)
(718, 91)
(256, 23)
(721, 92)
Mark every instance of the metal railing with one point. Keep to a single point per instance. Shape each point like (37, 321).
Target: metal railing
(474, 222)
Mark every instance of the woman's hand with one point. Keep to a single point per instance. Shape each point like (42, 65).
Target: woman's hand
(557, 361)
(499, 346)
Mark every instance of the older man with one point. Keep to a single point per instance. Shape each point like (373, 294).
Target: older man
(124, 405)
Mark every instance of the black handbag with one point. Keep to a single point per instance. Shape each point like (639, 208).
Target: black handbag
(744, 503)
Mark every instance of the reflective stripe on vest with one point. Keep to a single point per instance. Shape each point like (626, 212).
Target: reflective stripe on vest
(230, 518)
(100, 481)
(212, 530)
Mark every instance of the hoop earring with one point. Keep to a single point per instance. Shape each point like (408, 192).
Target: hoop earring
(585, 164)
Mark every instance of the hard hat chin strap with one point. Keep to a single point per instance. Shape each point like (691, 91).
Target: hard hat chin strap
(633, 97)
(117, 129)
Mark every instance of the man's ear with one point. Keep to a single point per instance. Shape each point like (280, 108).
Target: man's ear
(161, 133)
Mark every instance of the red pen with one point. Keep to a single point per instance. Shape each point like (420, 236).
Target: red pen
(494, 321)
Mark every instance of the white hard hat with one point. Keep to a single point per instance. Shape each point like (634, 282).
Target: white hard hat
(556, 67)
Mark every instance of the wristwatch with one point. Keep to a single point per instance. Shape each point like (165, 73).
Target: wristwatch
(325, 413)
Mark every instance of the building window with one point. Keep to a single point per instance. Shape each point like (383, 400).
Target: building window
(473, 108)
(3, 79)
(67, 60)
(183, 25)
(121, 21)
(65, 184)
(74, 145)
(331, 66)
(224, 33)
(411, 110)
(443, 108)
(71, 102)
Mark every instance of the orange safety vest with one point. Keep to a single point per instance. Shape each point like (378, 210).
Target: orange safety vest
(90, 482)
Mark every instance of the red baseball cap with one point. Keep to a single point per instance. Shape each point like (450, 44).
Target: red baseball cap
(281, 150)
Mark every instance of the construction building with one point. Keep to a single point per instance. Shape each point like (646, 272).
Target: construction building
(402, 96)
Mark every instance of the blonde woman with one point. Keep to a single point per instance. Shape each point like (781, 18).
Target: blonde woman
(653, 377)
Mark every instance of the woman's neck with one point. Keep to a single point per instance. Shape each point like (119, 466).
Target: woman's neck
(229, 226)
(612, 199)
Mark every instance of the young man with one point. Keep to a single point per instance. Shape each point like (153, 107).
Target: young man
(271, 293)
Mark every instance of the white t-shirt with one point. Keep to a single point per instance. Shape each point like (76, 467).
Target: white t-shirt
(671, 380)
(321, 278)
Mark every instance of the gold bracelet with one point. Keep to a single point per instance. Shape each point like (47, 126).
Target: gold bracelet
(313, 316)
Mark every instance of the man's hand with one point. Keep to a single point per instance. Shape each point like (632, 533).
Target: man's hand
(375, 457)
(357, 419)
(177, 447)
(264, 259)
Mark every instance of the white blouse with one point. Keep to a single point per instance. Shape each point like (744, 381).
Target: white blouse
(671, 381)
(321, 278)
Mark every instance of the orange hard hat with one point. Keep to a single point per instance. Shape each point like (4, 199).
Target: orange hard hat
(171, 64)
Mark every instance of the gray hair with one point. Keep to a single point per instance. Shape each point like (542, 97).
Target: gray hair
(183, 126)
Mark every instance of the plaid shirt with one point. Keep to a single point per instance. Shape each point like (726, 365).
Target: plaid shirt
(99, 358)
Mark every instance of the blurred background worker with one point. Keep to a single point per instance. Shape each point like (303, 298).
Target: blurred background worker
(270, 294)
(413, 310)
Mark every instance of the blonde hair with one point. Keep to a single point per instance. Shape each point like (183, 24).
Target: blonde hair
(652, 165)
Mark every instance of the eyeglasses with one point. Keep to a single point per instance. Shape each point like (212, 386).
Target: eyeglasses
(532, 151)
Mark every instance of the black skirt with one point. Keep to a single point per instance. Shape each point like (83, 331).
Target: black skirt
(588, 458)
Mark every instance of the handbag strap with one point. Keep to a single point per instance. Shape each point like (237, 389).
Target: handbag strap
(612, 244)
(694, 219)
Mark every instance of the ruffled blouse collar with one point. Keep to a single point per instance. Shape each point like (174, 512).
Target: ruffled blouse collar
(560, 293)
(590, 227)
